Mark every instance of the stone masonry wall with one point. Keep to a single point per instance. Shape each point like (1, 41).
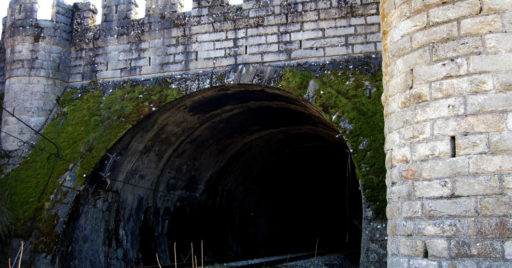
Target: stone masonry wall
(448, 79)
(215, 35)
(43, 57)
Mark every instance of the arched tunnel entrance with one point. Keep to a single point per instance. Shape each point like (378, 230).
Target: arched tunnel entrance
(250, 171)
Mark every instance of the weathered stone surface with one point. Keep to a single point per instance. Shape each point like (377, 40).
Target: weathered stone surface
(443, 228)
(451, 207)
(478, 249)
(437, 248)
(483, 185)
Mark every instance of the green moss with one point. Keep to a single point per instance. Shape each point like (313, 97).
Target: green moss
(350, 98)
(87, 126)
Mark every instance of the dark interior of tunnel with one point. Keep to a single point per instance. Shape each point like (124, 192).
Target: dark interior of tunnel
(285, 183)
(278, 195)
(253, 172)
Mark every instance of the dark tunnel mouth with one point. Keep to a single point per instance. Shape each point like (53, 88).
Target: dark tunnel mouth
(255, 217)
(254, 172)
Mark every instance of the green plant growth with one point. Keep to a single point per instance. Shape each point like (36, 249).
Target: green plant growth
(350, 98)
(88, 124)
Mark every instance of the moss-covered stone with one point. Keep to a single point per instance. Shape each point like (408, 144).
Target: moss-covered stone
(87, 125)
(350, 98)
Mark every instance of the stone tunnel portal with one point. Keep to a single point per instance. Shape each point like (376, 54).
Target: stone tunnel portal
(250, 170)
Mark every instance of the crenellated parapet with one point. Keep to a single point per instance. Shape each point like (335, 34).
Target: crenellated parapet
(36, 67)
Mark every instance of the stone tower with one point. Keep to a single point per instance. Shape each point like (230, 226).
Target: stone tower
(448, 113)
(37, 59)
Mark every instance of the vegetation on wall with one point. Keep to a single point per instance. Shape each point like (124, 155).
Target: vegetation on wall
(350, 98)
(86, 126)
(89, 123)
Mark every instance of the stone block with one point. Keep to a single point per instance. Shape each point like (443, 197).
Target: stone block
(307, 53)
(490, 63)
(471, 144)
(256, 49)
(335, 51)
(496, 206)
(489, 103)
(441, 70)
(507, 21)
(482, 185)
(490, 228)
(418, 5)
(324, 42)
(211, 36)
(435, 34)
(423, 263)
(400, 192)
(409, 61)
(410, 172)
(481, 25)
(498, 43)
(400, 47)
(451, 207)
(503, 81)
(393, 210)
(224, 44)
(401, 155)
(462, 86)
(362, 29)
(431, 149)
(364, 48)
(411, 209)
(395, 261)
(408, 26)
(501, 142)
(323, 24)
(490, 164)
(303, 35)
(410, 247)
(262, 30)
(356, 39)
(454, 11)
(437, 248)
(439, 109)
(492, 6)
(457, 48)
(433, 189)
(211, 54)
(475, 249)
(340, 31)
(470, 124)
(509, 121)
(416, 132)
(373, 19)
(508, 249)
(277, 56)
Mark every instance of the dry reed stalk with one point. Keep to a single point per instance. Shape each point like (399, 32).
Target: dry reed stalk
(175, 261)
(21, 255)
(9, 262)
(158, 261)
(192, 247)
(202, 256)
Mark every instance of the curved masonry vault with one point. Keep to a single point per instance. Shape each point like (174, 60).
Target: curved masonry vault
(250, 170)
(447, 77)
